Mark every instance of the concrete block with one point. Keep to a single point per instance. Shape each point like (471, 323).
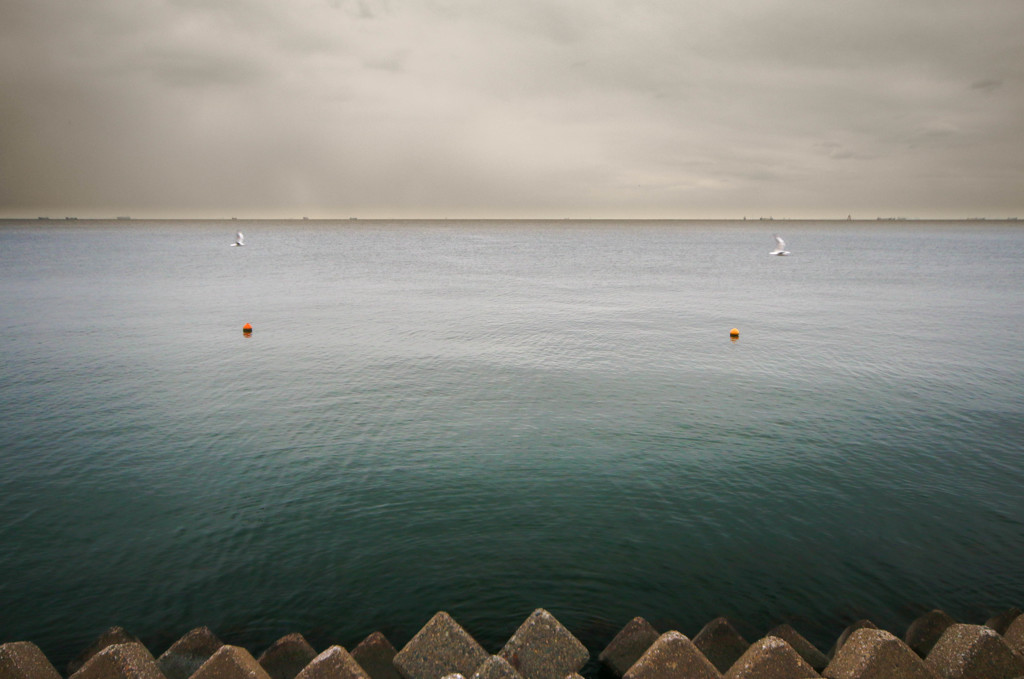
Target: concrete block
(629, 644)
(231, 662)
(440, 648)
(1001, 622)
(770, 658)
(974, 652)
(860, 624)
(926, 630)
(287, 656)
(334, 663)
(121, 661)
(187, 654)
(808, 651)
(672, 656)
(1014, 636)
(721, 644)
(876, 654)
(114, 635)
(496, 667)
(376, 656)
(543, 649)
(24, 660)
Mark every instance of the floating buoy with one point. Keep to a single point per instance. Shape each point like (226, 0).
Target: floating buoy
(247, 329)
(734, 333)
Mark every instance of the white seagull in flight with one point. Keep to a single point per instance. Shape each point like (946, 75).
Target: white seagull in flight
(239, 238)
(780, 247)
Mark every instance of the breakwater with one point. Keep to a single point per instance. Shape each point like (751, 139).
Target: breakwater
(934, 646)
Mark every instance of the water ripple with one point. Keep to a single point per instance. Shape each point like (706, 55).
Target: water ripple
(491, 418)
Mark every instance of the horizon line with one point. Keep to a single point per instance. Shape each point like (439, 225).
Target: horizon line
(125, 218)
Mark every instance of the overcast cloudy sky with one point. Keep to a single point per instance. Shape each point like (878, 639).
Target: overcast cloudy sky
(527, 108)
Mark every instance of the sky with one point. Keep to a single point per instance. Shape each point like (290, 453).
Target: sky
(648, 109)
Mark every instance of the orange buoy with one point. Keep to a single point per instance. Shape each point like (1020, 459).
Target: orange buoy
(247, 329)
(734, 332)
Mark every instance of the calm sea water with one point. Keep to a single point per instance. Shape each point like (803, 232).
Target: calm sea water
(486, 418)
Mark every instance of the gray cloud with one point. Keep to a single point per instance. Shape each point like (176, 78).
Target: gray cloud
(987, 85)
(190, 70)
(540, 108)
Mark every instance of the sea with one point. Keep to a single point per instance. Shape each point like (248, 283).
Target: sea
(490, 417)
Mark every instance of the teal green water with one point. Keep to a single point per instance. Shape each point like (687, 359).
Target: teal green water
(490, 417)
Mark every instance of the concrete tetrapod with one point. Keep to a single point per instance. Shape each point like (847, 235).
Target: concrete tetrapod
(721, 644)
(121, 661)
(440, 648)
(376, 655)
(231, 662)
(187, 654)
(114, 635)
(860, 624)
(672, 656)
(496, 667)
(1014, 636)
(1001, 621)
(770, 658)
(926, 630)
(287, 656)
(808, 651)
(334, 663)
(543, 649)
(876, 654)
(974, 652)
(628, 645)
(24, 660)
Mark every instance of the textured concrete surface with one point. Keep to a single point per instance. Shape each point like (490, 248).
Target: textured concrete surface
(114, 635)
(629, 644)
(376, 655)
(672, 656)
(542, 648)
(188, 653)
(121, 661)
(1001, 621)
(231, 662)
(877, 654)
(721, 643)
(334, 663)
(860, 624)
(548, 650)
(770, 658)
(440, 648)
(974, 652)
(496, 667)
(1014, 636)
(286, 657)
(926, 630)
(24, 660)
(808, 651)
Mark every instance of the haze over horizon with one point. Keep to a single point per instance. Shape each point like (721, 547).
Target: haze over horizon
(538, 109)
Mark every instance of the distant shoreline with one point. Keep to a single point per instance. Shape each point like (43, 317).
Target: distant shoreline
(52, 221)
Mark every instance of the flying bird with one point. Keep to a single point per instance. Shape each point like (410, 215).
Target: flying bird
(780, 247)
(239, 240)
